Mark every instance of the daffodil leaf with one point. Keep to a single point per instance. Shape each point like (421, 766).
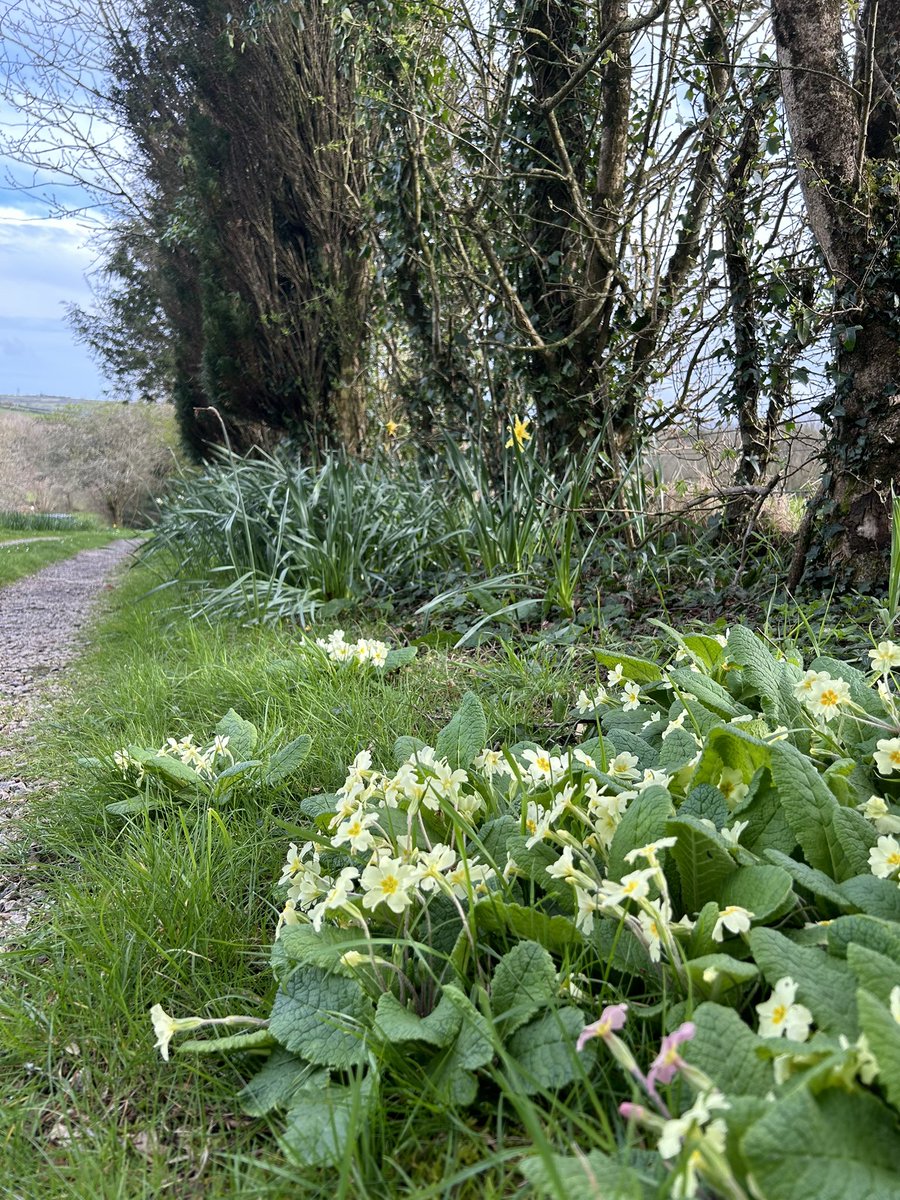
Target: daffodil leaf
(242, 735)
(524, 982)
(323, 1018)
(836, 1146)
(542, 1053)
(286, 760)
(464, 735)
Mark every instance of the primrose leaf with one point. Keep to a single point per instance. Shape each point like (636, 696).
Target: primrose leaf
(836, 1146)
(405, 747)
(400, 657)
(702, 858)
(464, 735)
(824, 984)
(644, 821)
(398, 1024)
(809, 806)
(726, 1049)
(172, 770)
(543, 1054)
(523, 983)
(710, 694)
(766, 890)
(498, 916)
(277, 1083)
(322, 1123)
(586, 1177)
(242, 735)
(638, 670)
(883, 1035)
(286, 760)
(323, 1018)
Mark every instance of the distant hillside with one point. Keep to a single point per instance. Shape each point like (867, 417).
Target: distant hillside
(42, 404)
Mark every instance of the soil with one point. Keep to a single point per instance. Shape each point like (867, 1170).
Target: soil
(41, 622)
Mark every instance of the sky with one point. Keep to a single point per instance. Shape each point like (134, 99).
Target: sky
(43, 261)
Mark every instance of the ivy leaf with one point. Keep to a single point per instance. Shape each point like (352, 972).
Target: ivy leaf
(286, 760)
(322, 1017)
(524, 981)
(242, 735)
(838, 1146)
(277, 1083)
(464, 735)
(824, 984)
(542, 1053)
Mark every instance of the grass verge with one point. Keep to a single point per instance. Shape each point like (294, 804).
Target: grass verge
(179, 908)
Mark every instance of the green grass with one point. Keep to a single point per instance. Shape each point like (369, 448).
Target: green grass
(43, 549)
(180, 909)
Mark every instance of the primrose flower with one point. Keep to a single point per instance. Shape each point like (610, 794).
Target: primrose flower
(336, 897)
(542, 765)
(732, 833)
(731, 785)
(432, 864)
(733, 918)
(492, 762)
(674, 723)
(389, 881)
(585, 907)
(165, 1027)
(634, 886)
(895, 1004)
(357, 831)
(390, 428)
(650, 851)
(614, 676)
(826, 697)
(779, 1016)
(585, 703)
(808, 683)
(586, 760)
(876, 810)
(612, 1019)
(469, 876)
(884, 857)
(885, 657)
(700, 1114)
(887, 755)
(623, 766)
(653, 922)
(519, 432)
(669, 1062)
(632, 692)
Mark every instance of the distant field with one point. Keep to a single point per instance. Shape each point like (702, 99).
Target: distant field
(42, 404)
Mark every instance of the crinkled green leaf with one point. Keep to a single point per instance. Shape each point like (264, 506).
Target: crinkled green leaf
(710, 694)
(838, 1146)
(809, 807)
(824, 984)
(405, 748)
(705, 803)
(633, 743)
(703, 860)
(644, 821)
(772, 681)
(726, 1049)
(397, 1024)
(875, 972)
(816, 882)
(499, 916)
(883, 936)
(729, 972)
(286, 760)
(877, 897)
(277, 1082)
(883, 1035)
(764, 889)
(234, 1043)
(464, 735)
(302, 944)
(322, 1017)
(524, 982)
(639, 670)
(399, 657)
(451, 1071)
(320, 1125)
(242, 735)
(855, 836)
(587, 1177)
(542, 1053)
(172, 770)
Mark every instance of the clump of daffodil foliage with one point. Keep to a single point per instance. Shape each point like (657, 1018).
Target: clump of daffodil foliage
(687, 913)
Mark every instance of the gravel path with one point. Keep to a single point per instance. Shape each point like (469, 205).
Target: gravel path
(41, 618)
(24, 541)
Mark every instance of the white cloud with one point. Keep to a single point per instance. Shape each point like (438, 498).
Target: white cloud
(42, 264)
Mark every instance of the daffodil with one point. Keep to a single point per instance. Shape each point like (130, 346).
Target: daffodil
(519, 432)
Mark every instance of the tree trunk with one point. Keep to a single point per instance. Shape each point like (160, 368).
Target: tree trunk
(842, 137)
